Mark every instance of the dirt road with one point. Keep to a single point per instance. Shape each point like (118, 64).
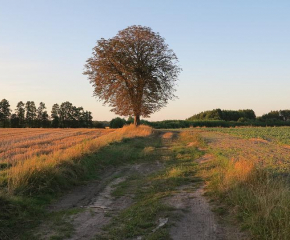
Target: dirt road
(93, 206)
(198, 222)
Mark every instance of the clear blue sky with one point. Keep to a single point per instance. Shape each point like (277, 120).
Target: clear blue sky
(234, 54)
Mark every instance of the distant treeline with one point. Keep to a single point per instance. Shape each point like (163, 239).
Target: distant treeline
(28, 115)
(226, 115)
(66, 115)
(241, 115)
(227, 118)
(167, 124)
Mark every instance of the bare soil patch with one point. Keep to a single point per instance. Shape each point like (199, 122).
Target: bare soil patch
(259, 140)
(197, 221)
(90, 222)
(167, 135)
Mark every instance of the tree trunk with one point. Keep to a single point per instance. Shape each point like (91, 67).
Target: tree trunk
(137, 120)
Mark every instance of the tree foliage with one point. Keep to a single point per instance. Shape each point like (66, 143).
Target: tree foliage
(42, 116)
(20, 114)
(226, 115)
(55, 112)
(27, 115)
(5, 111)
(117, 122)
(68, 115)
(134, 72)
(31, 114)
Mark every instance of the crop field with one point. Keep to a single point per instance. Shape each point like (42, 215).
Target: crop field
(28, 155)
(22, 144)
(265, 146)
(277, 134)
(250, 173)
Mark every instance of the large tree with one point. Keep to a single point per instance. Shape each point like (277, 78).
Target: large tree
(134, 72)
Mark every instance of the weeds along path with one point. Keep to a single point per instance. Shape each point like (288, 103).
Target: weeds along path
(155, 194)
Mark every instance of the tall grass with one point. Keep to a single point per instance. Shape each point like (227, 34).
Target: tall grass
(52, 171)
(257, 196)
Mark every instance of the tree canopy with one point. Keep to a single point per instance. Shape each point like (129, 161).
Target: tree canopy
(134, 72)
(5, 111)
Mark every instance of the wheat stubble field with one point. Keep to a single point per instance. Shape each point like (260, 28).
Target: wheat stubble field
(22, 144)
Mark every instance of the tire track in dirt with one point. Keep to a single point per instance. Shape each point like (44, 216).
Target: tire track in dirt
(197, 221)
(97, 203)
(90, 222)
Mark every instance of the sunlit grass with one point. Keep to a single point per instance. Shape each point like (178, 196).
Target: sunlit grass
(38, 173)
(259, 197)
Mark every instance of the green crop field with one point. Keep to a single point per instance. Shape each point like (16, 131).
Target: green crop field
(277, 134)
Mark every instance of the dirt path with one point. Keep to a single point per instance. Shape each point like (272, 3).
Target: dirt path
(90, 222)
(96, 202)
(198, 222)
(95, 205)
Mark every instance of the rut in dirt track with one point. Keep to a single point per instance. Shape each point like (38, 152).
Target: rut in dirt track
(97, 202)
(198, 222)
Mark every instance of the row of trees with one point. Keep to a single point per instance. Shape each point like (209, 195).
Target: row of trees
(241, 115)
(67, 115)
(282, 115)
(168, 124)
(28, 115)
(226, 115)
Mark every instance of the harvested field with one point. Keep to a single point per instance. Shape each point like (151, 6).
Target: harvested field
(52, 154)
(22, 144)
(249, 177)
(267, 154)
